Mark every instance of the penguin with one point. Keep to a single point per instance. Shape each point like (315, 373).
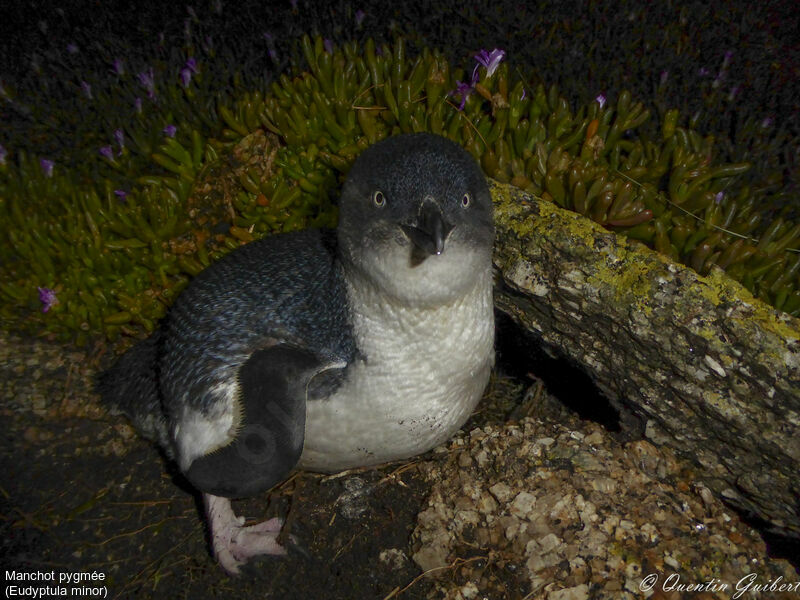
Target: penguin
(325, 350)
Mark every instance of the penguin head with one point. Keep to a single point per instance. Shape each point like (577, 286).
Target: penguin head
(415, 219)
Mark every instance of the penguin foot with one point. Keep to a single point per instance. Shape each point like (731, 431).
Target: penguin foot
(232, 542)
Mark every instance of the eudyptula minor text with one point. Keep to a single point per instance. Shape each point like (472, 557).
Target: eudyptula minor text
(325, 350)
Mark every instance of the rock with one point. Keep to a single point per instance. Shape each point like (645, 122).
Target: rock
(700, 364)
(579, 592)
(394, 558)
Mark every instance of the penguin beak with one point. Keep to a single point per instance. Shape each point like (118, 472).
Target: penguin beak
(429, 231)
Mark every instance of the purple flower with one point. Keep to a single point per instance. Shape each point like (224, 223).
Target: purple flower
(121, 194)
(727, 58)
(87, 89)
(146, 78)
(523, 94)
(490, 60)
(170, 130)
(72, 48)
(188, 69)
(703, 72)
(48, 298)
(719, 197)
(119, 137)
(3, 155)
(148, 82)
(464, 90)
(271, 52)
(119, 68)
(328, 45)
(723, 70)
(360, 14)
(601, 100)
(107, 152)
(137, 105)
(664, 77)
(733, 93)
(766, 122)
(47, 166)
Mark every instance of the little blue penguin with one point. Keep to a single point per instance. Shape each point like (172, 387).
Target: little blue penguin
(325, 350)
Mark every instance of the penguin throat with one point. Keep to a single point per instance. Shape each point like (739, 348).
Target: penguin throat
(397, 277)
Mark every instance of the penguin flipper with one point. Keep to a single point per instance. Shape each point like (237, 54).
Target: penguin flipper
(268, 443)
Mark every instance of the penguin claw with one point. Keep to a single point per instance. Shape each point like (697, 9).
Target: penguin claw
(233, 543)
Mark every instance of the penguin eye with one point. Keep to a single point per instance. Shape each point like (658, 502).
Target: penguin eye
(466, 200)
(379, 199)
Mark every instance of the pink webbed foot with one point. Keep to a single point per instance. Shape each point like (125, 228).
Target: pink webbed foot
(233, 543)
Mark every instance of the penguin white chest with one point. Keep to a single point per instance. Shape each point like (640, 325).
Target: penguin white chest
(424, 371)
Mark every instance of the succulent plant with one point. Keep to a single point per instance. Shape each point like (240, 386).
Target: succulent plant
(105, 243)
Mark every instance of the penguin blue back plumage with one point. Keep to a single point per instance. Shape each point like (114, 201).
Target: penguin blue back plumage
(285, 287)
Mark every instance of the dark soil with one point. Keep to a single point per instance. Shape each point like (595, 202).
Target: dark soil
(67, 507)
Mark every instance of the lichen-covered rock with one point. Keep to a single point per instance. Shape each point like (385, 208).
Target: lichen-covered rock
(706, 368)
